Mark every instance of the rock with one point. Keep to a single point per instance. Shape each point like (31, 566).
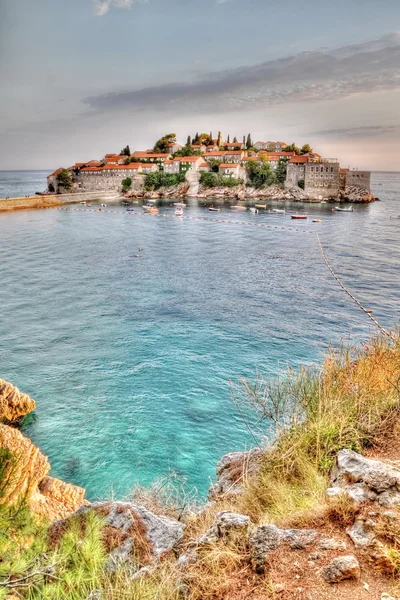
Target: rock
(386, 596)
(13, 403)
(361, 533)
(120, 555)
(331, 544)
(162, 533)
(366, 479)
(341, 568)
(279, 588)
(226, 525)
(26, 479)
(232, 469)
(268, 538)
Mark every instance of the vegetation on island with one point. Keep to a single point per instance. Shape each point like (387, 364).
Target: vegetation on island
(64, 179)
(126, 184)
(352, 401)
(261, 174)
(210, 180)
(155, 181)
(125, 151)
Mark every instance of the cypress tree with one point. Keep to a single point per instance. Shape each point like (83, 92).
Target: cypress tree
(188, 141)
(244, 140)
(249, 142)
(235, 140)
(228, 141)
(219, 141)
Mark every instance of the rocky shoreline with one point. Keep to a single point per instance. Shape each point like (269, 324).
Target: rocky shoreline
(250, 195)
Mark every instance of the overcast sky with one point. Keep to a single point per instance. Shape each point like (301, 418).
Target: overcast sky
(85, 77)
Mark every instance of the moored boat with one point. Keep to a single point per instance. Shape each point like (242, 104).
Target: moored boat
(299, 216)
(239, 207)
(344, 209)
(254, 210)
(279, 211)
(180, 204)
(212, 209)
(150, 208)
(179, 211)
(317, 220)
(264, 206)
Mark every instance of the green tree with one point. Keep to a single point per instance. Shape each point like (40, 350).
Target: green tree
(260, 173)
(244, 141)
(162, 144)
(64, 179)
(187, 150)
(126, 184)
(205, 139)
(306, 149)
(188, 142)
(249, 142)
(125, 151)
(228, 141)
(213, 163)
(293, 148)
(235, 140)
(280, 172)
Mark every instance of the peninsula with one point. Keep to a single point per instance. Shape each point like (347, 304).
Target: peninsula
(216, 169)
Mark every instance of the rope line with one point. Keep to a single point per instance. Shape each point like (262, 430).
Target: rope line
(264, 226)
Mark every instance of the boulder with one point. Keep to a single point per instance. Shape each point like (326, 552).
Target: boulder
(365, 479)
(25, 479)
(13, 403)
(227, 524)
(268, 538)
(232, 470)
(341, 568)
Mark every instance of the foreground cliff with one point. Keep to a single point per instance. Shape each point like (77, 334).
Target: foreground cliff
(24, 469)
(315, 516)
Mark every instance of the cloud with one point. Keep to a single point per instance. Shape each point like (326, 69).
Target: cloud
(101, 7)
(306, 77)
(367, 131)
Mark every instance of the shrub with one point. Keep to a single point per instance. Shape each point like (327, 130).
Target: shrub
(154, 181)
(126, 184)
(260, 173)
(64, 179)
(210, 180)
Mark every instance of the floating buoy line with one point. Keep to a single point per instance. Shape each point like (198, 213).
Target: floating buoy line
(264, 226)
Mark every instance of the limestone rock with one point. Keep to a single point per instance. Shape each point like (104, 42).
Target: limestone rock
(232, 469)
(268, 538)
(13, 403)
(25, 478)
(161, 533)
(366, 479)
(341, 568)
(331, 544)
(361, 533)
(226, 525)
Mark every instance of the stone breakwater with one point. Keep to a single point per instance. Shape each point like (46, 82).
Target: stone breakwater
(49, 201)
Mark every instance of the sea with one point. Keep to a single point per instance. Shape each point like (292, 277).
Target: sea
(133, 331)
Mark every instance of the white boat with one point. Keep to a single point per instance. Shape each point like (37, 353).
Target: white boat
(179, 211)
(180, 204)
(104, 205)
(346, 209)
(239, 207)
(254, 210)
(150, 208)
(279, 211)
(212, 209)
(84, 203)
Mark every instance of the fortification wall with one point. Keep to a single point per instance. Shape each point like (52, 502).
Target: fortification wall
(360, 179)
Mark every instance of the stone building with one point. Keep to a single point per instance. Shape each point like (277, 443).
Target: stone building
(171, 166)
(322, 180)
(360, 179)
(295, 170)
(229, 170)
(234, 156)
(189, 163)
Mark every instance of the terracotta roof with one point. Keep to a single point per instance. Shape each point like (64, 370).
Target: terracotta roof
(299, 159)
(168, 162)
(229, 166)
(247, 158)
(265, 152)
(235, 152)
(189, 158)
(56, 172)
(149, 155)
(234, 144)
(344, 170)
(282, 143)
(214, 153)
(204, 165)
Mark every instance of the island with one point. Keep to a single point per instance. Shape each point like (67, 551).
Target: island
(216, 170)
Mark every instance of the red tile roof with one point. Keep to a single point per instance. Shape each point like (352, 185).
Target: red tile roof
(149, 155)
(189, 158)
(299, 159)
(234, 152)
(56, 172)
(214, 153)
(229, 166)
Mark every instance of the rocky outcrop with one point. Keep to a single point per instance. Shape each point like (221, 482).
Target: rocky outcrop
(132, 534)
(24, 478)
(233, 469)
(13, 403)
(267, 538)
(357, 195)
(365, 480)
(341, 568)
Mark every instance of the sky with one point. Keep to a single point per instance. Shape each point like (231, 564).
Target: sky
(83, 78)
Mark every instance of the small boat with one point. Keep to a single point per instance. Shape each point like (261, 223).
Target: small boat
(317, 220)
(239, 207)
(279, 211)
(299, 216)
(150, 208)
(180, 204)
(264, 206)
(254, 210)
(345, 209)
(179, 211)
(130, 209)
(212, 209)
(84, 203)
(89, 205)
(104, 205)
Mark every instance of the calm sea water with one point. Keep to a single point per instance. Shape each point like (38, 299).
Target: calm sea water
(17, 184)
(130, 359)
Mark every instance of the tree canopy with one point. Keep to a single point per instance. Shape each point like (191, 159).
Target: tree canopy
(306, 149)
(260, 173)
(125, 151)
(162, 144)
(64, 179)
(292, 148)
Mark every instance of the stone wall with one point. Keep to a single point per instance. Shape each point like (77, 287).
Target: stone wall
(360, 179)
(93, 182)
(321, 180)
(294, 173)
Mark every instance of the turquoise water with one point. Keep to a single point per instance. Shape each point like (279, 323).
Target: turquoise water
(130, 359)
